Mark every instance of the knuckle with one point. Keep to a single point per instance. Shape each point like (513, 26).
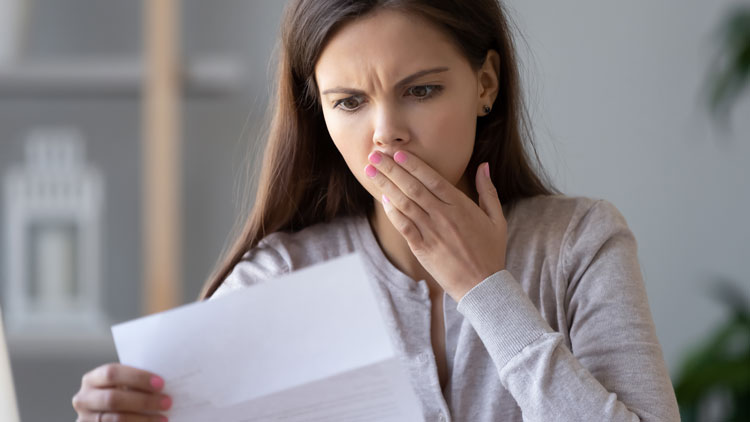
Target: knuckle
(412, 189)
(76, 401)
(449, 225)
(407, 207)
(440, 188)
(407, 229)
(111, 399)
(110, 372)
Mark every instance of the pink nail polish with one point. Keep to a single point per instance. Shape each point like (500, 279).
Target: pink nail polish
(371, 171)
(157, 382)
(374, 157)
(487, 170)
(399, 157)
(165, 403)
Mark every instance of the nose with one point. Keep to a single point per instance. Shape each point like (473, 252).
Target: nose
(390, 129)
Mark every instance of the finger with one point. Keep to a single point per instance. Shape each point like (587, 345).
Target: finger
(117, 375)
(415, 178)
(399, 199)
(104, 400)
(402, 223)
(489, 201)
(120, 417)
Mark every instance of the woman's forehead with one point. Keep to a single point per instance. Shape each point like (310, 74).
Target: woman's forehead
(385, 45)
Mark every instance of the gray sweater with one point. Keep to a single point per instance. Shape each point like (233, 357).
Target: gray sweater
(564, 333)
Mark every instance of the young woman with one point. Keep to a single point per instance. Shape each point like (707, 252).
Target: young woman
(400, 133)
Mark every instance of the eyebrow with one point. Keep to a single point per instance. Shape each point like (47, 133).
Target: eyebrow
(400, 83)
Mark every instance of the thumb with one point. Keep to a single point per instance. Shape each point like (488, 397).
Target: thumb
(489, 201)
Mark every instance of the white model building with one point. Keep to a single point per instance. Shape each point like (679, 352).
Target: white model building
(53, 248)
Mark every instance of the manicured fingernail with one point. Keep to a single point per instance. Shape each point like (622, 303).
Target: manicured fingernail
(371, 171)
(164, 419)
(157, 382)
(399, 157)
(374, 157)
(165, 403)
(386, 200)
(487, 170)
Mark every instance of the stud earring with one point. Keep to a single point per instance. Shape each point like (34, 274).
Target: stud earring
(487, 109)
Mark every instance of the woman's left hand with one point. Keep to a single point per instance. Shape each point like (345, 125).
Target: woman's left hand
(457, 242)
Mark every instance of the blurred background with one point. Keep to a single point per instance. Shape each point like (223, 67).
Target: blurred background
(621, 102)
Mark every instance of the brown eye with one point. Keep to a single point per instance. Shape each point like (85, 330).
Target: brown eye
(419, 91)
(424, 92)
(347, 104)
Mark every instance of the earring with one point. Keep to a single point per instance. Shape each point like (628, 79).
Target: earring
(487, 109)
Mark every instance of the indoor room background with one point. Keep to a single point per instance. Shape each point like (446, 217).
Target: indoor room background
(617, 92)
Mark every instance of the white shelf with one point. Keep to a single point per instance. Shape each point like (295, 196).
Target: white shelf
(113, 77)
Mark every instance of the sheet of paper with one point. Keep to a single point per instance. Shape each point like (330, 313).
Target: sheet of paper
(309, 346)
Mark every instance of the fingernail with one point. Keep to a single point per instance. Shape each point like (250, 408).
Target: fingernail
(374, 157)
(164, 419)
(157, 382)
(371, 171)
(487, 170)
(399, 157)
(386, 200)
(165, 403)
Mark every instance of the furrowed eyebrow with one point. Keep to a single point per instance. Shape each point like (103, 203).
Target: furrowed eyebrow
(400, 83)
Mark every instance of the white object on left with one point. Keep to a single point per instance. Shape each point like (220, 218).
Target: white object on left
(8, 406)
(53, 219)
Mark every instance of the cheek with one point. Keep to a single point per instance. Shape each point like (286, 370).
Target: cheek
(451, 141)
(350, 142)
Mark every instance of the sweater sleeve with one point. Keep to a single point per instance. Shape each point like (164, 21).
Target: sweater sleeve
(615, 370)
(264, 262)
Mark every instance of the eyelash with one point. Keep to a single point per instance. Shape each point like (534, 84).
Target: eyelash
(434, 90)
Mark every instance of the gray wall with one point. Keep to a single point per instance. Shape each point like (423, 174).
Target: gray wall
(614, 93)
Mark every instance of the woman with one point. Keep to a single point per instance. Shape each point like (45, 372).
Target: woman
(399, 133)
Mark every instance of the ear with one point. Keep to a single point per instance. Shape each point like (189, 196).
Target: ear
(488, 84)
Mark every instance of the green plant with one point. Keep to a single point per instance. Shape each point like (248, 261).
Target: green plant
(721, 365)
(730, 71)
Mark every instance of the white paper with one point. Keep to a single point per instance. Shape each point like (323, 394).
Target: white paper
(309, 346)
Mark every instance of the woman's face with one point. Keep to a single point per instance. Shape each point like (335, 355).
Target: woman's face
(391, 81)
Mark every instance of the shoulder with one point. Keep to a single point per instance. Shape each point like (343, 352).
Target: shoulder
(279, 253)
(571, 215)
(575, 227)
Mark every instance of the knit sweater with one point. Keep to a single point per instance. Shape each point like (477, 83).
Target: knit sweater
(563, 333)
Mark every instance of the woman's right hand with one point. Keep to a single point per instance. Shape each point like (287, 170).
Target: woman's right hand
(119, 393)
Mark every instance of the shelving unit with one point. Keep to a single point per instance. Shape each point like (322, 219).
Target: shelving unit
(113, 77)
(160, 80)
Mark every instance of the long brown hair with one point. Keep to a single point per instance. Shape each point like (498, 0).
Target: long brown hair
(304, 180)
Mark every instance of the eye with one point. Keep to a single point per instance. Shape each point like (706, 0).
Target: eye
(349, 104)
(423, 92)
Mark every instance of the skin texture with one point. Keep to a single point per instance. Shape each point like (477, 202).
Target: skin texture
(435, 227)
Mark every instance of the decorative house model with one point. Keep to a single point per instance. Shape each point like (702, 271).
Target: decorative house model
(53, 217)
